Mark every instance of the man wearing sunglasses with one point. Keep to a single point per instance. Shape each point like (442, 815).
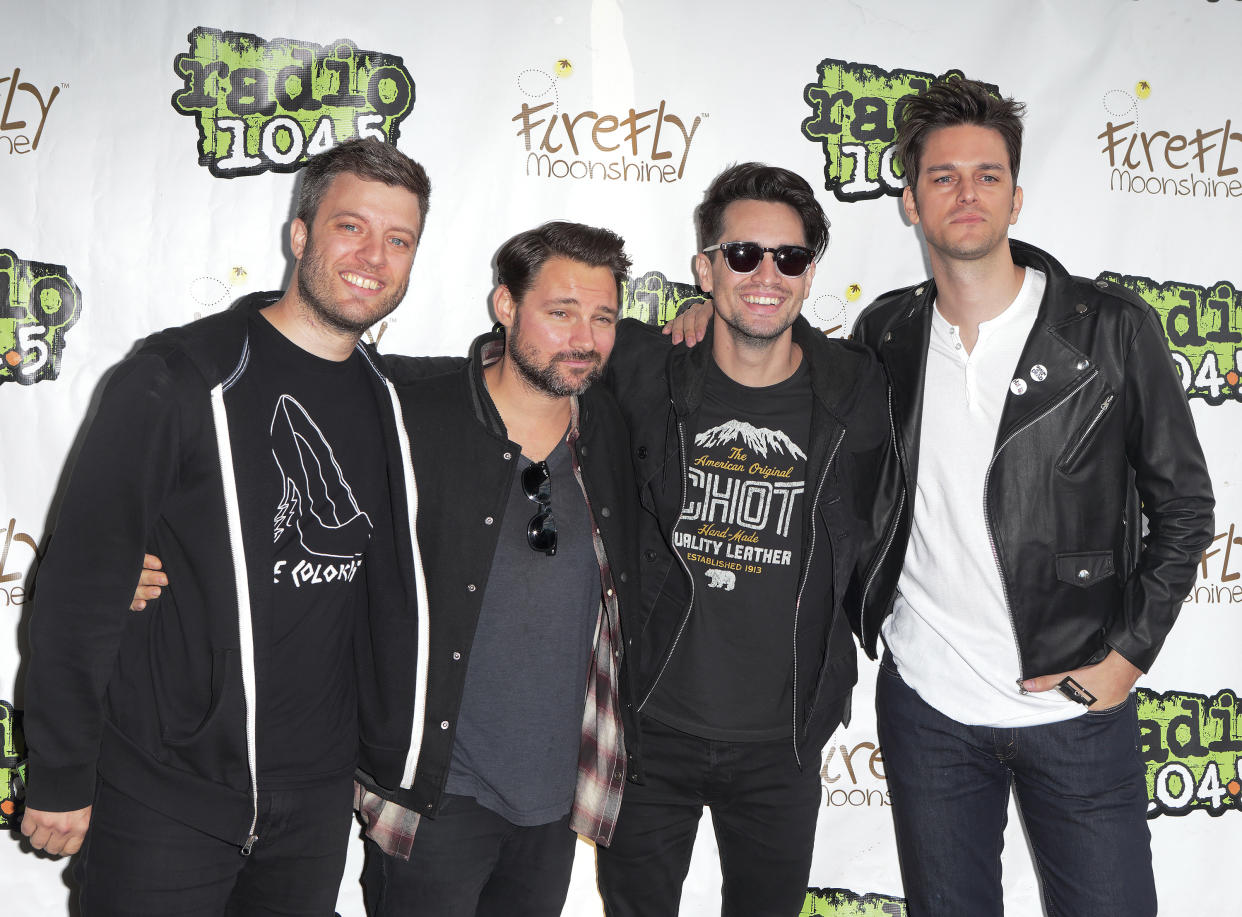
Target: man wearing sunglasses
(1037, 419)
(754, 455)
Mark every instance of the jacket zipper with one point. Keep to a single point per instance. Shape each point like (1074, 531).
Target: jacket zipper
(245, 627)
(987, 519)
(892, 531)
(1086, 434)
(423, 649)
(685, 471)
(806, 569)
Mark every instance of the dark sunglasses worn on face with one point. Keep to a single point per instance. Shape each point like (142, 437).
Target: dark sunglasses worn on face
(541, 530)
(745, 257)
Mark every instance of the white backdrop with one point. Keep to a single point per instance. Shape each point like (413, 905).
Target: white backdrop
(117, 221)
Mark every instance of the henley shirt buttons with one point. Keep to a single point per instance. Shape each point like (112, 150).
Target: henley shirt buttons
(456, 656)
(605, 512)
(508, 455)
(470, 587)
(487, 521)
(622, 576)
(444, 724)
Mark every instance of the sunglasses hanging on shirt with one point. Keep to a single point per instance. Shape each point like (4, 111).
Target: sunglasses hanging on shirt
(541, 530)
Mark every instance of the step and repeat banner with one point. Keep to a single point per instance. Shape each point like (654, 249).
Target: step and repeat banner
(149, 151)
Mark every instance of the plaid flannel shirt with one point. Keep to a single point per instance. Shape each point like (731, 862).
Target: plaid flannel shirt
(601, 752)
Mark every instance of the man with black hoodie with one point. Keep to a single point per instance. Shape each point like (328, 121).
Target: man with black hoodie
(202, 753)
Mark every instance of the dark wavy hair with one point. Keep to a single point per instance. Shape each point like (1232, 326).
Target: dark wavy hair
(755, 181)
(365, 157)
(948, 103)
(520, 258)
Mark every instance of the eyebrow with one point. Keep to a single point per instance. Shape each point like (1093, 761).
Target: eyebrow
(355, 215)
(952, 166)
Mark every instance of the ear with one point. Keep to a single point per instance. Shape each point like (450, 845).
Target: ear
(1017, 205)
(703, 268)
(504, 306)
(909, 204)
(297, 237)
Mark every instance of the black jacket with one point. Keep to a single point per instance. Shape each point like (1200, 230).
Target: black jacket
(660, 390)
(161, 702)
(463, 463)
(1074, 460)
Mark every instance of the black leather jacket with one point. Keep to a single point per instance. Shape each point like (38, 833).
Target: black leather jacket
(660, 390)
(1076, 456)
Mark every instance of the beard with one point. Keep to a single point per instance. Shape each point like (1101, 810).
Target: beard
(315, 280)
(546, 377)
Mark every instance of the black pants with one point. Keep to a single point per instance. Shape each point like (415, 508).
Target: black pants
(138, 862)
(470, 862)
(763, 810)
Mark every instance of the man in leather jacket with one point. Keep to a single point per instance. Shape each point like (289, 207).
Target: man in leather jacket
(755, 454)
(1033, 414)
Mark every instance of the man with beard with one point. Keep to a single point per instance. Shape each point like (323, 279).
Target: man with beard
(201, 754)
(754, 454)
(1038, 421)
(525, 523)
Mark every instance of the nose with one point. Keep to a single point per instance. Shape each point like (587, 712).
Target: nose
(373, 250)
(967, 192)
(582, 335)
(766, 272)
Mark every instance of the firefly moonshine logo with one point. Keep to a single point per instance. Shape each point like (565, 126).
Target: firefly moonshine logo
(1167, 159)
(39, 303)
(648, 144)
(267, 106)
(1204, 329)
(25, 112)
(856, 111)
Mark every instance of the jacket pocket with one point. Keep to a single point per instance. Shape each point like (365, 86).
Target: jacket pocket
(1072, 455)
(224, 674)
(1084, 569)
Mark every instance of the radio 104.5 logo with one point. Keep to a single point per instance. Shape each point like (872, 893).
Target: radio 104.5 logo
(269, 105)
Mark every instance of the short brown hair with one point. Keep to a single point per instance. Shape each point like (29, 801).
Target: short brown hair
(365, 157)
(948, 103)
(521, 258)
(755, 181)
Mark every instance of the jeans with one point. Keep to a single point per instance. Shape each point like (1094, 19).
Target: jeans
(763, 809)
(469, 861)
(1080, 788)
(138, 862)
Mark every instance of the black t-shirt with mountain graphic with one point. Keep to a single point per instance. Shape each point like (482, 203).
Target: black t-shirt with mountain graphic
(740, 534)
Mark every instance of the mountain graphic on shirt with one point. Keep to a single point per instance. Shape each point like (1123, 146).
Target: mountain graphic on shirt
(760, 439)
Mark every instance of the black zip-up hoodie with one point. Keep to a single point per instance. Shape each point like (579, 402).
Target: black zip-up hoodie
(161, 702)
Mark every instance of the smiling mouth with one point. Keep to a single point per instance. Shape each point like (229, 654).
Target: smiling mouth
(755, 299)
(357, 280)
